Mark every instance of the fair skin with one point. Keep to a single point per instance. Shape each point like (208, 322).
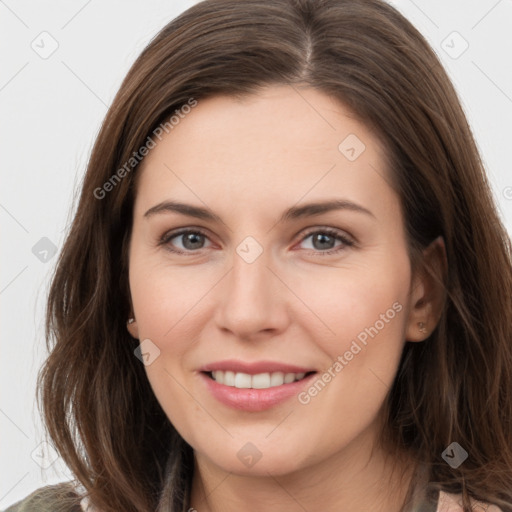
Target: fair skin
(249, 161)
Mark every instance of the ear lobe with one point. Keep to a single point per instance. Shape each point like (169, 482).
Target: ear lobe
(132, 327)
(428, 294)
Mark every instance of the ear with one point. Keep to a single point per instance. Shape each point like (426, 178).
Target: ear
(133, 328)
(427, 296)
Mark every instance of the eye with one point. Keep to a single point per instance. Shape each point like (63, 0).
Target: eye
(322, 240)
(191, 240)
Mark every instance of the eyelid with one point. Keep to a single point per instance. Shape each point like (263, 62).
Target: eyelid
(346, 239)
(336, 232)
(173, 233)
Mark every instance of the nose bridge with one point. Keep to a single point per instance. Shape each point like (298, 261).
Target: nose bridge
(250, 274)
(250, 299)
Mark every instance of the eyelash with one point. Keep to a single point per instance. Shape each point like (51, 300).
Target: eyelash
(347, 242)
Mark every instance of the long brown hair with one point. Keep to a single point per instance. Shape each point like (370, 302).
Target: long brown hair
(98, 406)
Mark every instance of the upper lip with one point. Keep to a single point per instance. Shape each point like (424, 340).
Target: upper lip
(254, 368)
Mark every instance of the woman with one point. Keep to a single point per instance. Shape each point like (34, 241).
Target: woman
(251, 370)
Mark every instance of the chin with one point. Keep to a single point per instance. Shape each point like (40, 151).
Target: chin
(249, 460)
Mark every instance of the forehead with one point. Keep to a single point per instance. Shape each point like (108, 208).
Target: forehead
(281, 144)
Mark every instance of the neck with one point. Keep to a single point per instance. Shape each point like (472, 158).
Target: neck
(358, 479)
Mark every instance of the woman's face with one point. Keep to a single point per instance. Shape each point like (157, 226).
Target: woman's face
(266, 287)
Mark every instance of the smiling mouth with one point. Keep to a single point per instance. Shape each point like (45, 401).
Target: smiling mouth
(242, 380)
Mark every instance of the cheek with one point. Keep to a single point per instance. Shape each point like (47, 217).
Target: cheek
(363, 355)
(365, 304)
(368, 315)
(164, 298)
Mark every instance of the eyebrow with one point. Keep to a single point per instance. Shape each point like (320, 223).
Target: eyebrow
(293, 213)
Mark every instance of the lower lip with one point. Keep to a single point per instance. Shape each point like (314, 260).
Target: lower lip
(254, 400)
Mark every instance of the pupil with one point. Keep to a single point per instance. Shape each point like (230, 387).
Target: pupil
(190, 238)
(322, 238)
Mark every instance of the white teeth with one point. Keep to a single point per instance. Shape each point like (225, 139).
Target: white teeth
(277, 379)
(289, 378)
(258, 381)
(229, 378)
(261, 381)
(242, 380)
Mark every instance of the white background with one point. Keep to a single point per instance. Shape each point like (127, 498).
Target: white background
(51, 110)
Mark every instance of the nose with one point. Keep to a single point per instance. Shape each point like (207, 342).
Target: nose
(252, 301)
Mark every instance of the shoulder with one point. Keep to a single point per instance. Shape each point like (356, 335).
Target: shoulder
(453, 503)
(61, 497)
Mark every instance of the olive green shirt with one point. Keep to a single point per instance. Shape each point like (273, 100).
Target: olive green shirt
(63, 497)
(50, 498)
